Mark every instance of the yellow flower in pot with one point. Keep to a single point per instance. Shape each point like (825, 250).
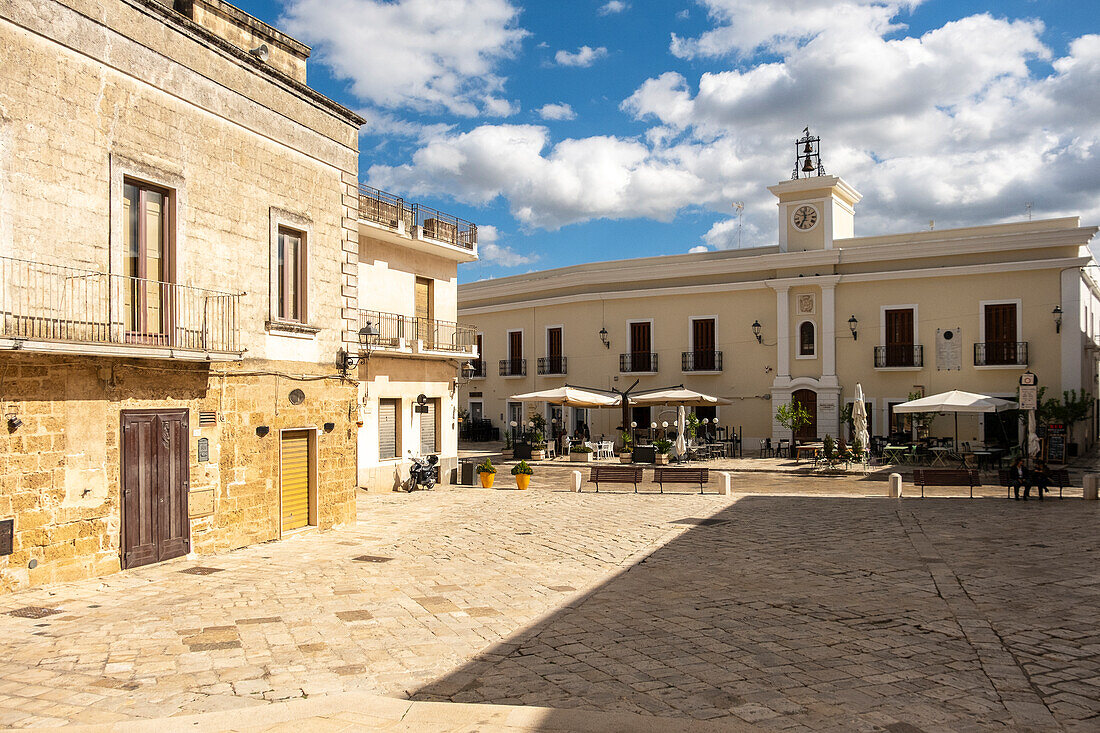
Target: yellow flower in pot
(523, 473)
(487, 472)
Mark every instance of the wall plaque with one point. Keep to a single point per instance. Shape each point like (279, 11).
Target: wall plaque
(948, 349)
(200, 503)
(204, 450)
(807, 304)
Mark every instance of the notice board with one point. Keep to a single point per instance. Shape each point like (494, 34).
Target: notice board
(1056, 443)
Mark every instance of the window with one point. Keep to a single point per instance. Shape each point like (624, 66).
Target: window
(702, 343)
(641, 344)
(899, 326)
(425, 311)
(1001, 345)
(146, 261)
(291, 275)
(389, 430)
(807, 339)
(555, 363)
(515, 365)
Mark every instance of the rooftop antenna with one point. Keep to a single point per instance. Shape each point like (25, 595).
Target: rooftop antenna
(807, 151)
(739, 207)
(1027, 208)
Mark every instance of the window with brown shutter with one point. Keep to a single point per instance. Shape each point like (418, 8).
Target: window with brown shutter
(554, 351)
(291, 275)
(702, 341)
(899, 337)
(1000, 333)
(640, 347)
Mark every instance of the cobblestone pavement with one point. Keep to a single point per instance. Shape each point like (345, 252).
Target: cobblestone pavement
(803, 605)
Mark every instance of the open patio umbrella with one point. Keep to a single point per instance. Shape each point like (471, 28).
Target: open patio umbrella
(859, 419)
(569, 396)
(676, 396)
(956, 401)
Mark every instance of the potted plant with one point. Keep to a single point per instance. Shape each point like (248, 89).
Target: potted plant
(487, 472)
(537, 437)
(506, 454)
(580, 454)
(626, 455)
(662, 447)
(523, 473)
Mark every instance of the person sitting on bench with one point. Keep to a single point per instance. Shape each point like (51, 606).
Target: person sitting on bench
(1040, 477)
(1017, 477)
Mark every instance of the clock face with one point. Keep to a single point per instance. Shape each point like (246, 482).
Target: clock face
(805, 217)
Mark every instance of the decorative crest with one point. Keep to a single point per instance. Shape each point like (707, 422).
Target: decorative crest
(807, 150)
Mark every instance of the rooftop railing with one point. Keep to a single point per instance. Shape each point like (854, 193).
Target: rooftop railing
(389, 210)
(46, 302)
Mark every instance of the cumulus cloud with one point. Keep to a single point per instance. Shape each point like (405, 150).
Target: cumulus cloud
(583, 57)
(612, 7)
(560, 111)
(417, 54)
(490, 252)
(698, 249)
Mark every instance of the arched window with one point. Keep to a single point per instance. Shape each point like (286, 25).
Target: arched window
(807, 339)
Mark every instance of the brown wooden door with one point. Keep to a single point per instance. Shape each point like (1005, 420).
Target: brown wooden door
(808, 399)
(146, 263)
(899, 337)
(702, 335)
(515, 352)
(155, 482)
(1000, 333)
(554, 351)
(640, 347)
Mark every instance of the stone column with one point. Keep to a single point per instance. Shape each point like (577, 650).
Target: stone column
(783, 330)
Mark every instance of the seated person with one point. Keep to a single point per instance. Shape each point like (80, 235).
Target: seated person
(1017, 477)
(1040, 477)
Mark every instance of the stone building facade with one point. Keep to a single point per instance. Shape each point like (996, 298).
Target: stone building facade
(179, 263)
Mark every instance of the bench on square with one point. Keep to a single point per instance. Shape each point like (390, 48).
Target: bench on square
(946, 477)
(615, 475)
(681, 476)
(1058, 477)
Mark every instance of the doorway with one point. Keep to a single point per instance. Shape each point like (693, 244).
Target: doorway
(295, 479)
(807, 398)
(155, 482)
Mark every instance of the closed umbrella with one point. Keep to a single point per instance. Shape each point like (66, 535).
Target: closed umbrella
(859, 419)
(1033, 446)
(681, 428)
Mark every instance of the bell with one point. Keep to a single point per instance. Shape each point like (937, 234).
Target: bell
(808, 149)
(808, 166)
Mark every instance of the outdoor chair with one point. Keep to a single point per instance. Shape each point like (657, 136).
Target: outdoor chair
(766, 448)
(784, 449)
(551, 449)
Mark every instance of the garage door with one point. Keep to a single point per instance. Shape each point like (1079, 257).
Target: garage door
(294, 473)
(428, 428)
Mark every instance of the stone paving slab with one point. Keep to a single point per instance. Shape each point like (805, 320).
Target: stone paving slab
(810, 604)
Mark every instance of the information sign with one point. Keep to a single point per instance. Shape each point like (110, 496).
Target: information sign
(1029, 398)
(1056, 443)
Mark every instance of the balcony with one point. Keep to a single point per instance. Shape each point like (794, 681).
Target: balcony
(701, 361)
(637, 362)
(899, 356)
(418, 226)
(51, 308)
(549, 365)
(513, 367)
(1001, 353)
(422, 336)
(478, 368)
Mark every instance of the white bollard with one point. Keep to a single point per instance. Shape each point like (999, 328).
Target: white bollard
(726, 483)
(895, 486)
(1092, 481)
(577, 478)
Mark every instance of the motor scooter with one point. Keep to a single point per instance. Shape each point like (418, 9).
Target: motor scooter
(422, 472)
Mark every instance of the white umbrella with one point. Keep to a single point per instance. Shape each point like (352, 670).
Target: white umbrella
(859, 419)
(572, 396)
(956, 401)
(1033, 446)
(681, 428)
(676, 396)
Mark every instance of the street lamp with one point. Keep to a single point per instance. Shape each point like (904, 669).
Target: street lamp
(346, 361)
(756, 332)
(603, 337)
(1057, 318)
(852, 323)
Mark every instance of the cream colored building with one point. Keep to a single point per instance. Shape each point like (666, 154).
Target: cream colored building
(805, 319)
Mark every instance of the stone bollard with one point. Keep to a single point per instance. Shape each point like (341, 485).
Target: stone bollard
(1092, 481)
(577, 478)
(726, 482)
(895, 486)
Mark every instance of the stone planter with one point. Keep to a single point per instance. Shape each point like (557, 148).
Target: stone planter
(626, 458)
(580, 457)
(661, 459)
(538, 455)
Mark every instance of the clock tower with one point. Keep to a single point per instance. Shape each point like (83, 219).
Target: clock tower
(815, 209)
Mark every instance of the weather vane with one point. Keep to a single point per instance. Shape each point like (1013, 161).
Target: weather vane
(807, 151)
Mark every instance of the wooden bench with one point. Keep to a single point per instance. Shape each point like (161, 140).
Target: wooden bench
(946, 477)
(1058, 477)
(664, 476)
(615, 475)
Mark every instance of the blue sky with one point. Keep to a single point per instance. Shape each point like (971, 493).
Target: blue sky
(594, 129)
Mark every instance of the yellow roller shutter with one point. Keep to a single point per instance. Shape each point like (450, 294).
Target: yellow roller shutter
(295, 480)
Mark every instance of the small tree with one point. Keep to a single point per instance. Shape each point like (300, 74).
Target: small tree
(692, 426)
(1070, 410)
(846, 418)
(793, 416)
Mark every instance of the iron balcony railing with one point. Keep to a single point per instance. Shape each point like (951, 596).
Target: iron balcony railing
(1001, 353)
(702, 361)
(899, 356)
(478, 369)
(637, 362)
(56, 303)
(389, 210)
(513, 367)
(552, 365)
(393, 328)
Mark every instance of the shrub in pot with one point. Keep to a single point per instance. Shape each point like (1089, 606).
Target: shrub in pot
(626, 455)
(487, 472)
(523, 474)
(662, 447)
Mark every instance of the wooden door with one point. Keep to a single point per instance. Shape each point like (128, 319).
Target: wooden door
(155, 482)
(1000, 333)
(899, 337)
(425, 314)
(808, 399)
(702, 335)
(640, 344)
(554, 351)
(515, 353)
(146, 263)
(294, 470)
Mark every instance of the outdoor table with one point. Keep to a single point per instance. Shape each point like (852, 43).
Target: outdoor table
(940, 456)
(810, 448)
(986, 457)
(894, 453)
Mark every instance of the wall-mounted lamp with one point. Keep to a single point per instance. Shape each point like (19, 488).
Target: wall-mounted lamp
(1057, 318)
(852, 323)
(262, 430)
(756, 332)
(603, 338)
(368, 336)
(14, 423)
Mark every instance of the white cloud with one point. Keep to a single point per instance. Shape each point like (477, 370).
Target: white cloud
(612, 7)
(683, 14)
(560, 111)
(386, 124)
(584, 56)
(416, 54)
(492, 253)
(698, 249)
